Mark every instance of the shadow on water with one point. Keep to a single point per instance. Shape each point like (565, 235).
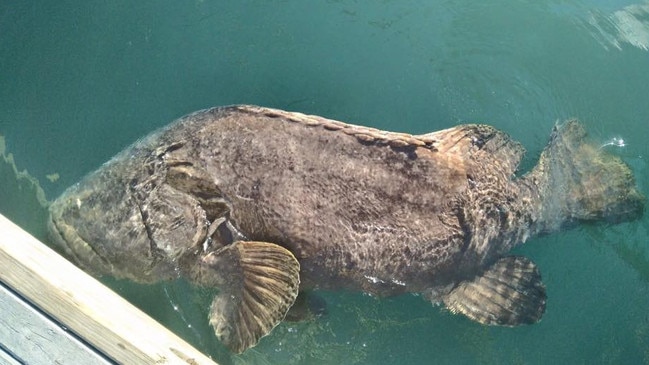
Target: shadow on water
(629, 245)
(635, 255)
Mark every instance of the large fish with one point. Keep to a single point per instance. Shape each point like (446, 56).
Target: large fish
(264, 204)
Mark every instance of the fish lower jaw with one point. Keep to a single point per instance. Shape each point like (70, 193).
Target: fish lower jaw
(67, 242)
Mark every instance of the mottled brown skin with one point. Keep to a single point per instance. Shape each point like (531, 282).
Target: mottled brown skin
(356, 214)
(360, 209)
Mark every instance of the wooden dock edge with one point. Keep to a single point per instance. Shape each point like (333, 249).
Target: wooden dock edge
(86, 307)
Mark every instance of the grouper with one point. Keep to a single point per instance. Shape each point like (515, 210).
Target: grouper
(266, 205)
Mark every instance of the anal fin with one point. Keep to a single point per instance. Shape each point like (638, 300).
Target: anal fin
(258, 283)
(509, 293)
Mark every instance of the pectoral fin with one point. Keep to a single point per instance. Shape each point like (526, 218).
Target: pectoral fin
(509, 293)
(259, 284)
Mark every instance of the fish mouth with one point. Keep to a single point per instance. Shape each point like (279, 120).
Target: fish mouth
(67, 241)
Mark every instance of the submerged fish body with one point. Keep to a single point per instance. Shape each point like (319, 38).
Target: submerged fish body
(264, 203)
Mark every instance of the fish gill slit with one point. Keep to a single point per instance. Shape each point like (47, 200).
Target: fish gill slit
(153, 248)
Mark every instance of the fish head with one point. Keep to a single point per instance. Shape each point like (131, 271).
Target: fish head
(127, 221)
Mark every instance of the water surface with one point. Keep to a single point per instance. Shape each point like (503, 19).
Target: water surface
(80, 80)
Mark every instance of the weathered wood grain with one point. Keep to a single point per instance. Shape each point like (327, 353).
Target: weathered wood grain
(85, 306)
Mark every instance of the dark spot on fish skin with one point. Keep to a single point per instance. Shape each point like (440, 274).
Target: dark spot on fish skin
(225, 235)
(133, 183)
(471, 181)
(349, 261)
(179, 163)
(272, 114)
(160, 152)
(255, 189)
(478, 142)
(367, 142)
(410, 151)
(465, 227)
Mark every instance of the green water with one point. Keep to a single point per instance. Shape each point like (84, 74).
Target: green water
(80, 80)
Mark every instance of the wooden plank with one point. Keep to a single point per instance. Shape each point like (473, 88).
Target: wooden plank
(7, 358)
(85, 306)
(33, 338)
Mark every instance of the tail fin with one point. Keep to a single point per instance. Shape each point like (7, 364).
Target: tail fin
(577, 180)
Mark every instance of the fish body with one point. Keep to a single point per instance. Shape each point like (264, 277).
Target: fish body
(265, 204)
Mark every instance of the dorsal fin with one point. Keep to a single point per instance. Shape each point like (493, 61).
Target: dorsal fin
(259, 282)
(488, 145)
(363, 134)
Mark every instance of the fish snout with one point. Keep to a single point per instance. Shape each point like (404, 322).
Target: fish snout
(65, 239)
